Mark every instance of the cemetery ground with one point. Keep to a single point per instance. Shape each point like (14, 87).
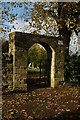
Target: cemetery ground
(62, 103)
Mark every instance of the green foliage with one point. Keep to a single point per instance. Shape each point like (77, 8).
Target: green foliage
(72, 69)
(64, 16)
(33, 71)
(37, 54)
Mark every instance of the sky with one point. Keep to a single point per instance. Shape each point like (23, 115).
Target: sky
(21, 20)
(21, 14)
(21, 17)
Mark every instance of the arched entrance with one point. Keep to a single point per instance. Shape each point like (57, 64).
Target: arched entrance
(19, 44)
(39, 66)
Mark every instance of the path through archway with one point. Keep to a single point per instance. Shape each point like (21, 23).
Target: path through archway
(39, 66)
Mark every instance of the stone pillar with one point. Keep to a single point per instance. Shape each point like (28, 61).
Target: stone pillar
(19, 68)
(53, 68)
(11, 43)
(57, 66)
(19, 63)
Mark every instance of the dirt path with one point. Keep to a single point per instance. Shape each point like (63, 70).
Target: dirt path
(45, 103)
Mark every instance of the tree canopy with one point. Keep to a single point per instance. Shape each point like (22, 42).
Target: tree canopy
(50, 17)
(62, 16)
(36, 54)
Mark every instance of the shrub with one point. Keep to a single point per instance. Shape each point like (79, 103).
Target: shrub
(72, 69)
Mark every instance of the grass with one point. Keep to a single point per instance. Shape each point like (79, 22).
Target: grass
(35, 73)
(35, 70)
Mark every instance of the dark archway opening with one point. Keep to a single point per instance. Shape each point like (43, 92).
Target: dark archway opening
(39, 66)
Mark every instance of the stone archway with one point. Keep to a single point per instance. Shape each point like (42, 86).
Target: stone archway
(19, 43)
(47, 67)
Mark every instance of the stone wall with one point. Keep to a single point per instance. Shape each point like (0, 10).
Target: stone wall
(7, 71)
(20, 68)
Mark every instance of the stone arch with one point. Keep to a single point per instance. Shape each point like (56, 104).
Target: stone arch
(19, 43)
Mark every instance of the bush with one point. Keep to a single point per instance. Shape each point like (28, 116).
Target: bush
(72, 69)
